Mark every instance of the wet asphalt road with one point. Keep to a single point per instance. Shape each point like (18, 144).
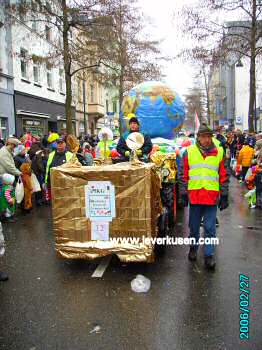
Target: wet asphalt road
(54, 304)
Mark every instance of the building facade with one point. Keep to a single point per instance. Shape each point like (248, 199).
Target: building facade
(32, 82)
(229, 95)
(222, 95)
(96, 105)
(89, 96)
(242, 96)
(7, 116)
(39, 83)
(230, 85)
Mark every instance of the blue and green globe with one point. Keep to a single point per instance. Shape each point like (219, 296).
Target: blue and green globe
(159, 109)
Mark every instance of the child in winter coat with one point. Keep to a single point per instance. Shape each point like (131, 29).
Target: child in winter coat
(87, 153)
(28, 187)
(250, 179)
(258, 183)
(251, 197)
(7, 198)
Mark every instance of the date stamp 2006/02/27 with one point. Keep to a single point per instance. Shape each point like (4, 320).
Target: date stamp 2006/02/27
(244, 316)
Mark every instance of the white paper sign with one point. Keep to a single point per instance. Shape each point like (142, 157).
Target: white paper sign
(99, 231)
(100, 201)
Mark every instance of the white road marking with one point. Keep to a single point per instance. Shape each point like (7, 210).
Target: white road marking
(99, 271)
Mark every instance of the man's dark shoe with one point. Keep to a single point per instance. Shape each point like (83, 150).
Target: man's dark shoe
(3, 276)
(192, 255)
(210, 262)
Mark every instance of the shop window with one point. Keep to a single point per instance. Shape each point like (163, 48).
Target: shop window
(23, 63)
(36, 127)
(3, 128)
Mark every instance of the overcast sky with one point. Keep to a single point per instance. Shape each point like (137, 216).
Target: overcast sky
(179, 74)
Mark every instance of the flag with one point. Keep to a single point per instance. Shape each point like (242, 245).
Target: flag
(197, 123)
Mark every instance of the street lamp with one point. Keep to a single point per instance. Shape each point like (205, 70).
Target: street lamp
(84, 103)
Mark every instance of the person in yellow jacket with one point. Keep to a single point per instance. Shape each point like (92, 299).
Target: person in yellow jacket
(103, 148)
(56, 158)
(244, 159)
(203, 183)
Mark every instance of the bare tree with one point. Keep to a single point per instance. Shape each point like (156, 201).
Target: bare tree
(130, 57)
(95, 33)
(195, 102)
(238, 38)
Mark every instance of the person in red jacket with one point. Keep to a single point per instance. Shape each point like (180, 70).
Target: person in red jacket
(203, 183)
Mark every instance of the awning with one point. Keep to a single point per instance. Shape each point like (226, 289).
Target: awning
(61, 118)
(32, 114)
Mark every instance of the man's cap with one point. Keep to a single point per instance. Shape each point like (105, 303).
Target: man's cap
(60, 139)
(133, 120)
(13, 141)
(204, 129)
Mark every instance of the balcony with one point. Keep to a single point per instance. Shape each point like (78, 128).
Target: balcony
(96, 109)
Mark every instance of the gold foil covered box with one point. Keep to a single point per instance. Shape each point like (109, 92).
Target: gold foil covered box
(137, 204)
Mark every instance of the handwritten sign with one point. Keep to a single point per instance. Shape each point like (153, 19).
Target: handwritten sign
(100, 201)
